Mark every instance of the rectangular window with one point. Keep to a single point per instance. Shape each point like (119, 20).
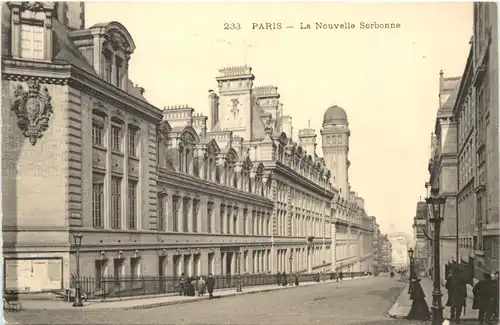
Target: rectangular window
(116, 202)
(185, 215)
(32, 41)
(222, 214)
(210, 209)
(118, 267)
(108, 66)
(175, 213)
(97, 204)
(196, 208)
(135, 267)
(161, 212)
(118, 70)
(97, 134)
(132, 204)
(235, 220)
(132, 146)
(115, 138)
(245, 220)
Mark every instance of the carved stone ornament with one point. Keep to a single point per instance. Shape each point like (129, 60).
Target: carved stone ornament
(32, 5)
(33, 110)
(117, 41)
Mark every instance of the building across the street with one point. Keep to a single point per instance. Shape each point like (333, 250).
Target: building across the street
(385, 261)
(154, 191)
(465, 156)
(400, 243)
(420, 232)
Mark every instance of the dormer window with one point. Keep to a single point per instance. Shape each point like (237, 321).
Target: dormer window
(118, 71)
(108, 65)
(32, 41)
(31, 30)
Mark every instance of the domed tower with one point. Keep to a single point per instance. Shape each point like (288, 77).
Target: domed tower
(335, 143)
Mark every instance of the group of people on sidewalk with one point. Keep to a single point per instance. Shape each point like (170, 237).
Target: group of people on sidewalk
(282, 279)
(485, 292)
(190, 286)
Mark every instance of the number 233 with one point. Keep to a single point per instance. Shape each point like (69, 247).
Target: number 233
(232, 26)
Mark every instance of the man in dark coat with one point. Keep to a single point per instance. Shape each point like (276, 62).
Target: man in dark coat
(341, 275)
(182, 285)
(284, 279)
(278, 278)
(497, 302)
(484, 298)
(210, 285)
(457, 293)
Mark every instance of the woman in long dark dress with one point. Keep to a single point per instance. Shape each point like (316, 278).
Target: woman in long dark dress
(419, 308)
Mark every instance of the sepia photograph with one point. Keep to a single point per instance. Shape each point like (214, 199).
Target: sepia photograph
(245, 162)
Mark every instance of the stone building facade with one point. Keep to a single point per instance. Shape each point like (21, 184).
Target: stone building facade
(420, 234)
(157, 191)
(476, 115)
(385, 263)
(443, 165)
(485, 89)
(466, 145)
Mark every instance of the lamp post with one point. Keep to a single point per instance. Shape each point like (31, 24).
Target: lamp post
(410, 254)
(78, 243)
(290, 260)
(238, 279)
(436, 205)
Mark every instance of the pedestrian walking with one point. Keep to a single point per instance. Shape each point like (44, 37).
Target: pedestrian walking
(210, 285)
(201, 286)
(296, 279)
(496, 300)
(419, 308)
(341, 275)
(457, 293)
(284, 280)
(484, 298)
(182, 285)
(278, 278)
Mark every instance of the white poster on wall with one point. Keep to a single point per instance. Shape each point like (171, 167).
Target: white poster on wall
(33, 275)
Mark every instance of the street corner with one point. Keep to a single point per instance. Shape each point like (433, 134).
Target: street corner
(397, 311)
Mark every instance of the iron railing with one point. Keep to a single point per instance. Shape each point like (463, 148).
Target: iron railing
(129, 286)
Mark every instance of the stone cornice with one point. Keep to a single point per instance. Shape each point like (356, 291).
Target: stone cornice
(193, 184)
(289, 173)
(58, 73)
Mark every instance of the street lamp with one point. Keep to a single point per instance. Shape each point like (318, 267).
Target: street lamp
(290, 260)
(436, 205)
(410, 254)
(238, 279)
(78, 243)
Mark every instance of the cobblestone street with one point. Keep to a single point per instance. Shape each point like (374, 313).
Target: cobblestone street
(350, 302)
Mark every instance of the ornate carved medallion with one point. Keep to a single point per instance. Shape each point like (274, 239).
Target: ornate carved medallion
(234, 109)
(33, 110)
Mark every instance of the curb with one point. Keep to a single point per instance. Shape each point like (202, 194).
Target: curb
(232, 294)
(193, 299)
(396, 305)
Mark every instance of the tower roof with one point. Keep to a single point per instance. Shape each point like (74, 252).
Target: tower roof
(335, 115)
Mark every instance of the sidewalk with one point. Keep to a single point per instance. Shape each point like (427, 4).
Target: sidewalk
(402, 306)
(157, 301)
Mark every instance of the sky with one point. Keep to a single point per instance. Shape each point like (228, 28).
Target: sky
(386, 80)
